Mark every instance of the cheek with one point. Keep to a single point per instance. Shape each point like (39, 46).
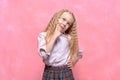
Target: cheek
(59, 21)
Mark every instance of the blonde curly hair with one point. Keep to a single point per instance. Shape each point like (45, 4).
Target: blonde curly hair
(71, 31)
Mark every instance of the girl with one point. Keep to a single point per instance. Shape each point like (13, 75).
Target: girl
(58, 46)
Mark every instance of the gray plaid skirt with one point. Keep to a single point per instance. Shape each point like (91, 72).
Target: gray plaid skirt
(57, 73)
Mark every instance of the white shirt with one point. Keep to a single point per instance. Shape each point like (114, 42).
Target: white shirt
(59, 55)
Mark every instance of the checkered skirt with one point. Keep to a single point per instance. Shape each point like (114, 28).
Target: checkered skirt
(57, 73)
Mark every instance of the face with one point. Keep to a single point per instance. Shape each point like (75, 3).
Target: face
(65, 21)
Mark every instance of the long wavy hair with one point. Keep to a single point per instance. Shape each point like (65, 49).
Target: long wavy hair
(71, 31)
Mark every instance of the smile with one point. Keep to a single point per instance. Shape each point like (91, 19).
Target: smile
(62, 26)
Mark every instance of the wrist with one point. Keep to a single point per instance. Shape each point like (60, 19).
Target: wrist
(57, 33)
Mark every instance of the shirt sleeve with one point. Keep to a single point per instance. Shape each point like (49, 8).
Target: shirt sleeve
(80, 51)
(80, 54)
(42, 46)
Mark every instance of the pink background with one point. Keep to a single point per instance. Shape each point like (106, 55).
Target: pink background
(98, 23)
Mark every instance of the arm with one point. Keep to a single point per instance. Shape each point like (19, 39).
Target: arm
(70, 64)
(51, 41)
(45, 48)
(42, 45)
(80, 55)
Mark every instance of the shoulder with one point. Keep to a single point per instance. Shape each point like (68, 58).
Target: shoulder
(42, 34)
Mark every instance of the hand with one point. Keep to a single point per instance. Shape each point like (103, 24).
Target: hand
(58, 30)
(70, 64)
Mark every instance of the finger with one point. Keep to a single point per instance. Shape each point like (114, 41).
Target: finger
(69, 62)
(69, 65)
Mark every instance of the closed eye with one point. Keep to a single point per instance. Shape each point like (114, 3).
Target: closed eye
(64, 19)
(68, 23)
